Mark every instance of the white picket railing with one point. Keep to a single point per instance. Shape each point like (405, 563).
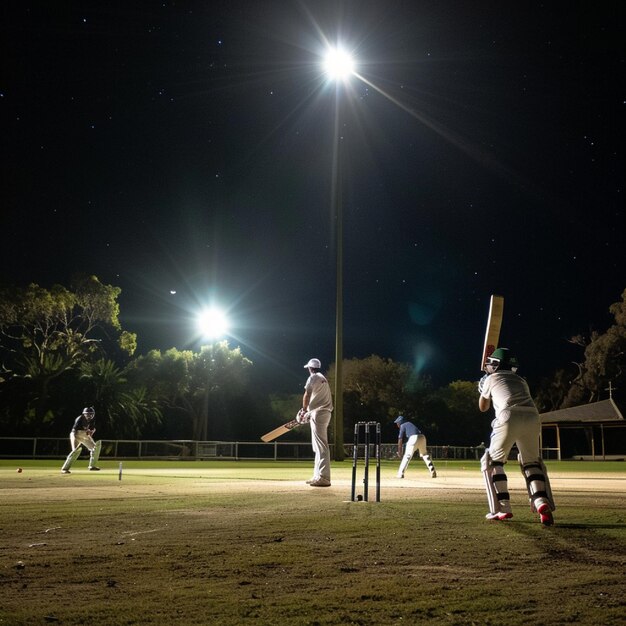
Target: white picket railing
(189, 450)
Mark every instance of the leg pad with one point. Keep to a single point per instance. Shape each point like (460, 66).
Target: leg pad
(95, 454)
(71, 457)
(537, 484)
(496, 485)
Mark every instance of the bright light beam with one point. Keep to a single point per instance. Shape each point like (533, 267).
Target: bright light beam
(212, 323)
(338, 64)
(475, 152)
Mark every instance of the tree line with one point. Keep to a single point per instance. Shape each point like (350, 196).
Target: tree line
(63, 347)
(601, 367)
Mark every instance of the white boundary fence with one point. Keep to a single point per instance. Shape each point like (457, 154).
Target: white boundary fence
(189, 450)
(183, 450)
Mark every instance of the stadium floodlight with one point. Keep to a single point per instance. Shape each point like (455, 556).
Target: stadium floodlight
(212, 323)
(338, 64)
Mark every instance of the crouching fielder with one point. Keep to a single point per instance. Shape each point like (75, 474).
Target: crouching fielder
(415, 439)
(516, 422)
(82, 435)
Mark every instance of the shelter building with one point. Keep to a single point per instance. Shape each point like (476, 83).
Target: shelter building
(581, 432)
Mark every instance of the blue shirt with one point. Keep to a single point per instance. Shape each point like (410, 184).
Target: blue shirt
(409, 429)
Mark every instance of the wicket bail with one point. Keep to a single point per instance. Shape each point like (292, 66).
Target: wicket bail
(367, 428)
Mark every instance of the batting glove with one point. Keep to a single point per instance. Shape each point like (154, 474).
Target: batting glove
(303, 416)
(481, 383)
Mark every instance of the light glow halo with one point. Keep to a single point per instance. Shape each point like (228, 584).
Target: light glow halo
(338, 64)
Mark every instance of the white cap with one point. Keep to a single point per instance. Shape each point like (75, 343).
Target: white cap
(314, 363)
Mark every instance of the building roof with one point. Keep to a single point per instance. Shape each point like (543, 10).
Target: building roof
(595, 412)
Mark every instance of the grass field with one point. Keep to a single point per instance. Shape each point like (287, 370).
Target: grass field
(250, 543)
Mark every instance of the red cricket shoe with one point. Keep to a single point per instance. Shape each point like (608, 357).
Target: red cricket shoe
(498, 517)
(545, 514)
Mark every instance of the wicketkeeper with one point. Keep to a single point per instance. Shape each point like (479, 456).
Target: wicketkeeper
(82, 435)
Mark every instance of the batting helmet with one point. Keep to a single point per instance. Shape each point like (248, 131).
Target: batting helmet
(89, 410)
(503, 358)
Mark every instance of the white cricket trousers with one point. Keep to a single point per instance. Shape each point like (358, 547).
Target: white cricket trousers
(520, 426)
(82, 438)
(414, 441)
(320, 419)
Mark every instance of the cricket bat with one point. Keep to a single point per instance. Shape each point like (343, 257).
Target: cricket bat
(281, 430)
(494, 322)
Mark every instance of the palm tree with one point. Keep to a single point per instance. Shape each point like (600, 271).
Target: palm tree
(127, 409)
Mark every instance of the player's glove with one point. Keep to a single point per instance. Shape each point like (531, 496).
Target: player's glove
(481, 383)
(303, 416)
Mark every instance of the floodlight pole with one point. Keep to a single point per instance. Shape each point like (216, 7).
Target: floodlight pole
(208, 351)
(205, 411)
(338, 66)
(337, 201)
(205, 400)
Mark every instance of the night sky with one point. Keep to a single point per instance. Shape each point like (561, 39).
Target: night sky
(183, 151)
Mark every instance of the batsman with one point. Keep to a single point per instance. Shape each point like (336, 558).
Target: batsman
(82, 435)
(516, 422)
